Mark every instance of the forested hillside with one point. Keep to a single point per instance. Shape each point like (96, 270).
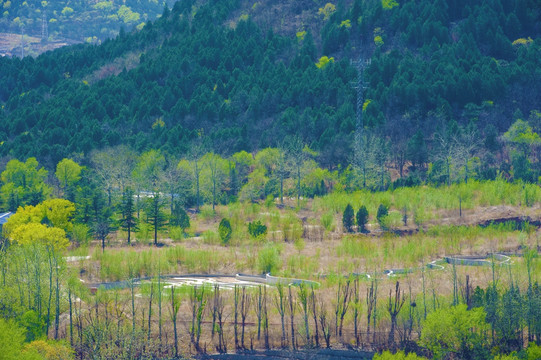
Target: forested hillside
(91, 21)
(446, 79)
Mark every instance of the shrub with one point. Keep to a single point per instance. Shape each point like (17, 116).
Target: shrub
(387, 355)
(327, 221)
(257, 229)
(225, 231)
(210, 237)
(455, 329)
(179, 217)
(362, 218)
(268, 260)
(144, 233)
(348, 218)
(381, 216)
(80, 234)
(176, 233)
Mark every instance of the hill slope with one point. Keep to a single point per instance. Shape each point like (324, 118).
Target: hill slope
(248, 75)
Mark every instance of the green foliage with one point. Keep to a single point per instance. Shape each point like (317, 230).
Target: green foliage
(128, 221)
(225, 231)
(268, 259)
(256, 229)
(454, 330)
(155, 217)
(382, 215)
(387, 355)
(11, 341)
(324, 61)
(327, 221)
(521, 133)
(68, 173)
(388, 4)
(327, 10)
(179, 217)
(348, 218)
(23, 183)
(176, 233)
(80, 234)
(533, 351)
(362, 218)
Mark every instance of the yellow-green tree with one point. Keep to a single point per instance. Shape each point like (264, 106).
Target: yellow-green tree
(24, 183)
(68, 173)
(55, 212)
(454, 330)
(31, 233)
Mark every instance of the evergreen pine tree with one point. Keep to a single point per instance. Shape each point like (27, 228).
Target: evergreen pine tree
(362, 218)
(348, 218)
(154, 215)
(382, 215)
(128, 221)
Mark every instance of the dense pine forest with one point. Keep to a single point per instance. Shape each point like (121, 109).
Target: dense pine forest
(378, 161)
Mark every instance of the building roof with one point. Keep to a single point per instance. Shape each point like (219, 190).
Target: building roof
(4, 217)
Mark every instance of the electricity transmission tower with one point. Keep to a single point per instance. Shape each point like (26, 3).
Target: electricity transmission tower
(359, 151)
(22, 42)
(44, 28)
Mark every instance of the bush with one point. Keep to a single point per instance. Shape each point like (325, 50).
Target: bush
(454, 330)
(176, 233)
(387, 355)
(327, 221)
(348, 218)
(225, 231)
(210, 237)
(268, 260)
(257, 229)
(80, 234)
(179, 217)
(362, 218)
(381, 216)
(144, 233)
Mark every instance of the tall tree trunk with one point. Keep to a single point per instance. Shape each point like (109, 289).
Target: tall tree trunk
(314, 313)
(292, 315)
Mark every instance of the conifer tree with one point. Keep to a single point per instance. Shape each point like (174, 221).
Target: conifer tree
(362, 218)
(155, 215)
(128, 222)
(348, 218)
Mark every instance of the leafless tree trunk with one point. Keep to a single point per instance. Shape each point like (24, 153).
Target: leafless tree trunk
(259, 310)
(342, 303)
(314, 314)
(370, 303)
(325, 326)
(235, 326)
(304, 300)
(150, 310)
(356, 309)
(175, 306)
(394, 308)
(220, 306)
(265, 319)
(279, 303)
(244, 308)
(292, 315)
